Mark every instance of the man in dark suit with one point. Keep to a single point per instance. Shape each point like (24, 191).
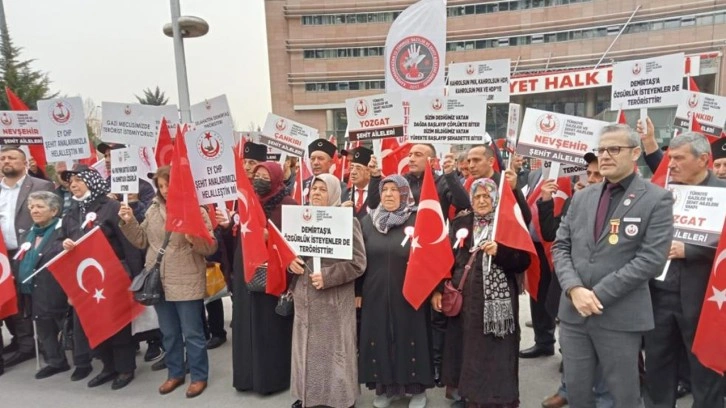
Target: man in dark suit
(321, 153)
(360, 175)
(15, 187)
(613, 240)
(678, 298)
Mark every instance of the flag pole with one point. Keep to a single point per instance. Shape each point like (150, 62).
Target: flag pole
(37, 351)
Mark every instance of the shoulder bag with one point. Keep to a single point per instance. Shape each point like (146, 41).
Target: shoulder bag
(452, 298)
(146, 286)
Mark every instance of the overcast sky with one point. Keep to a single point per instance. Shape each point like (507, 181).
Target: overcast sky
(109, 50)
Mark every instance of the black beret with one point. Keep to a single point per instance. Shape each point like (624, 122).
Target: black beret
(254, 151)
(361, 155)
(324, 146)
(718, 149)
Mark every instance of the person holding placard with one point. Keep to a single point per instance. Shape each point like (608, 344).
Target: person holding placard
(604, 267)
(395, 339)
(677, 299)
(324, 365)
(138, 202)
(482, 342)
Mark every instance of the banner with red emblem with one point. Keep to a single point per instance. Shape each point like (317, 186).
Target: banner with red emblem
(19, 128)
(442, 120)
(287, 135)
(63, 127)
(374, 117)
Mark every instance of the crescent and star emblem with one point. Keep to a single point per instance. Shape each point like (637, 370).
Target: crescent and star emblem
(243, 225)
(60, 113)
(210, 150)
(434, 206)
(85, 264)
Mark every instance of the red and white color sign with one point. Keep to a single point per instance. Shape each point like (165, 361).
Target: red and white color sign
(63, 127)
(287, 135)
(488, 78)
(211, 158)
(459, 120)
(647, 83)
(133, 123)
(416, 50)
(19, 128)
(374, 117)
(709, 110)
(698, 214)
(558, 137)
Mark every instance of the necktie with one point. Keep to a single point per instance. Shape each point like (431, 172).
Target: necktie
(359, 200)
(602, 209)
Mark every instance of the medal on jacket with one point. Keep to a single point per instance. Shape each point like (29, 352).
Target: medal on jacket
(409, 233)
(460, 237)
(614, 229)
(90, 217)
(21, 251)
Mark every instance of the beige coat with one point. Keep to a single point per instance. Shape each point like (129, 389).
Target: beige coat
(324, 360)
(183, 267)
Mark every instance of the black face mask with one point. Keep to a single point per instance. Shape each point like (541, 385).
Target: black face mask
(262, 187)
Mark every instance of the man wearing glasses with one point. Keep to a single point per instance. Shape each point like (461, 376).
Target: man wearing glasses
(613, 240)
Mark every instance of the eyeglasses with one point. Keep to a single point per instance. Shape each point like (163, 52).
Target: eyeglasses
(612, 150)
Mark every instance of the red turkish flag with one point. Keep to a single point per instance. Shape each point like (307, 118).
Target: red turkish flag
(97, 285)
(394, 157)
(281, 254)
(431, 256)
(36, 150)
(164, 146)
(621, 117)
(252, 222)
(564, 191)
(692, 85)
(710, 341)
(8, 294)
(511, 231)
(338, 166)
(92, 159)
(182, 206)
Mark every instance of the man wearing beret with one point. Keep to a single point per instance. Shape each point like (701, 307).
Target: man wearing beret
(718, 152)
(321, 153)
(360, 175)
(254, 154)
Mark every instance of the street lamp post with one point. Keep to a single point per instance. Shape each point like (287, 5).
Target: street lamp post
(183, 27)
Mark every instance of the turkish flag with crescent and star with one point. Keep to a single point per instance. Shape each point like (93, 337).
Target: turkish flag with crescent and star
(709, 345)
(564, 191)
(252, 222)
(394, 157)
(8, 295)
(511, 231)
(164, 145)
(97, 285)
(37, 151)
(431, 256)
(281, 255)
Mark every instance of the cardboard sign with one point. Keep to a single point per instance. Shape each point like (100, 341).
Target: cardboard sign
(487, 78)
(63, 128)
(324, 232)
(125, 170)
(287, 135)
(133, 123)
(647, 83)
(515, 114)
(374, 117)
(698, 214)
(558, 137)
(211, 158)
(19, 128)
(459, 120)
(213, 114)
(708, 110)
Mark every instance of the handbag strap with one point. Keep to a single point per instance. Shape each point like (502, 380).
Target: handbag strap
(162, 250)
(472, 258)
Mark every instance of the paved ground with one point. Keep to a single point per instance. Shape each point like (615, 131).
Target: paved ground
(538, 379)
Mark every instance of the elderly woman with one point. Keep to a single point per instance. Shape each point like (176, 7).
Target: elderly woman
(323, 342)
(42, 297)
(482, 342)
(262, 339)
(395, 346)
(183, 277)
(91, 207)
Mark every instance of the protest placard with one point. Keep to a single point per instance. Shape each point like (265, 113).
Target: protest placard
(698, 214)
(125, 170)
(558, 137)
(374, 117)
(515, 114)
(213, 114)
(324, 232)
(564, 170)
(133, 123)
(63, 128)
(487, 78)
(19, 128)
(647, 83)
(287, 135)
(456, 120)
(211, 158)
(708, 110)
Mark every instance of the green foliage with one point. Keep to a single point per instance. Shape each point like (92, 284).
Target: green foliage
(155, 97)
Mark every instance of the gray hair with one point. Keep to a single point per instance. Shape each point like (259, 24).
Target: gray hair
(698, 142)
(48, 198)
(633, 137)
(463, 156)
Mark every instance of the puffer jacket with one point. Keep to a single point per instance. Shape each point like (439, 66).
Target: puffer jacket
(183, 267)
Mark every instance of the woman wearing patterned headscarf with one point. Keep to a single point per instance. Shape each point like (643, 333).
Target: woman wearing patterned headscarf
(482, 342)
(395, 346)
(324, 362)
(92, 207)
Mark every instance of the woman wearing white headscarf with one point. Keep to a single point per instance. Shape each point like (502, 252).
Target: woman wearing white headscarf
(324, 366)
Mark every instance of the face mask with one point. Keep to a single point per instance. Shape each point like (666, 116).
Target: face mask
(262, 187)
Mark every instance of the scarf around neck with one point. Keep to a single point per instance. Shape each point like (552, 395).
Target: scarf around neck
(383, 219)
(30, 259)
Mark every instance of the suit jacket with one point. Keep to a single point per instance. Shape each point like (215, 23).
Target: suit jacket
(350, 196)
(23, 222)
(618, 274)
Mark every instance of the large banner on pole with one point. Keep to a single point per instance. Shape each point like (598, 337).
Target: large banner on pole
(698, 214)
(647, 83)
(454, 120)
(488, 78)
(325, 232)
(63, 128)
(374, 117)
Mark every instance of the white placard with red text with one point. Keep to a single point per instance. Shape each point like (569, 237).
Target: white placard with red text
(374, 117)
(211, 157)
(698, 214)
(709, 110)
(63, 127)
(287, 135)
(454, 120)
(558, 137)
(19, 128)
(487, 78)
(647, 83)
